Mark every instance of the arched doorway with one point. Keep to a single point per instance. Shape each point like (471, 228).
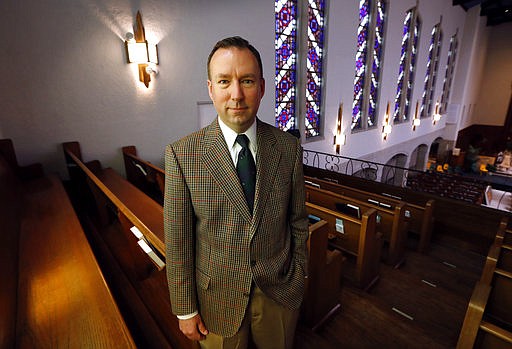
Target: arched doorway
(393, 172)
(418, 157)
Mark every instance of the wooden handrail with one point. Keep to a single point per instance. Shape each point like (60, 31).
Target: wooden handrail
(148, 234)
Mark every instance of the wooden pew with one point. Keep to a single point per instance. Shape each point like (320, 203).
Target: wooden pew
(420, 217)
(392, 225)
(457, 223)
(488, 320)
(138, 277)
(11, 204)
(359, 239)
(323, 286)
(143, 174)
(60, 299)
(22, 172)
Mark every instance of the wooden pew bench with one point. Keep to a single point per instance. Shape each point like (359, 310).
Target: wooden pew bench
(488, 320)
(323, 286)
(138, 277)
(143, 174)
(355, 237)
(420, 217)
(324, 283)
(62, 298)
(392, 223)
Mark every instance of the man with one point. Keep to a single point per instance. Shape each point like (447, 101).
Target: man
(236, 259)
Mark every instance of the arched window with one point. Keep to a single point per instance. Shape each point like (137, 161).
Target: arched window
(408, 57)
(448, 76)
(299, 62)
(434, 51)
(370, 34)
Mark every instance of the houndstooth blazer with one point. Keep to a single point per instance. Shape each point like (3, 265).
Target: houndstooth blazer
(215, 249)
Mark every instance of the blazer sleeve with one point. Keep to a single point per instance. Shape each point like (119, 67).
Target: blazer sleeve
(179, 237)
(298, 214)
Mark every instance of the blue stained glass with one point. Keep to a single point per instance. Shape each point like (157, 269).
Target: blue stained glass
(314, 73)
(363, 9)
(406, 67)
(286, 52)
(368, 62)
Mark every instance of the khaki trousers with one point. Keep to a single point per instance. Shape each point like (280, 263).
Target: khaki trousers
(267, 325)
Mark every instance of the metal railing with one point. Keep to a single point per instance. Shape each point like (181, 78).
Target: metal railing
(366, 169)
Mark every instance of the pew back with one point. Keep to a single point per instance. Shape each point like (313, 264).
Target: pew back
(488, 320)
(392, 222)
(143, 174)
(419, 217)
(356, 237)
(323, 285)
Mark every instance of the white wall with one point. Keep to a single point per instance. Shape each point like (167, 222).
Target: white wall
(65, 77)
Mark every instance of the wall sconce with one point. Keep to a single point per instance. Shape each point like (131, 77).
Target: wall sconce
(139, 51)
(436, 117)
(416, 121)
(386, 127)
(339, 137)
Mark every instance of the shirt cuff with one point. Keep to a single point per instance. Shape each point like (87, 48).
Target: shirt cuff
(186, 317)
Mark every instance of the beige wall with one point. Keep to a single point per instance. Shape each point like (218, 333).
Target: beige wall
(496, 84)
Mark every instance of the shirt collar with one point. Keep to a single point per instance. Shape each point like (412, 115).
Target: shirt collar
(230, 135)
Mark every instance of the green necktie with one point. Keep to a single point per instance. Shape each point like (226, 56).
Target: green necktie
(246, 169)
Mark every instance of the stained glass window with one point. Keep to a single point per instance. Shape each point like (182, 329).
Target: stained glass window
(293, 52)
(448, 76)
(370, 33)
(286, 57)
(434, 51)
(314, 67)
(407, 67)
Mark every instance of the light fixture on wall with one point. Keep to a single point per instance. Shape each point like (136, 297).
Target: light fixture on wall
(339, 137)
(139, 51)
(416, 121)
(386, 127)
(436, 117)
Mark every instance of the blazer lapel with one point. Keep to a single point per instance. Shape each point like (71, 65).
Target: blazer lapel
(219, 164)
(267, 164)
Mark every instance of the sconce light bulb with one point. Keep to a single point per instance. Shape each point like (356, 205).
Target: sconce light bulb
(129, 36)
(151, 69)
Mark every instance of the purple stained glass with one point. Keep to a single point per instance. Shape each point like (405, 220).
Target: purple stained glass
(363, 9)
(314, 74)
(286, 52)
(371, 13)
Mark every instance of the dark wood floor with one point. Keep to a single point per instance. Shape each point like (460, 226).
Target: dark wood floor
(420, 305)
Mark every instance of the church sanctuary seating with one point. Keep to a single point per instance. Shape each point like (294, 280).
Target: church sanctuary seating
(391, 221)
(488, 320)
(126, 228)
(419, 217)
(325, 265)
(53, 292)
(357, 238)
(455, 223)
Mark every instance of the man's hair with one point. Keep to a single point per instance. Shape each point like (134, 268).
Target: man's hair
(238, 42)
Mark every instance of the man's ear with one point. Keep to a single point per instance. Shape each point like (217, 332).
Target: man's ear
(262, 86)
(210, 87)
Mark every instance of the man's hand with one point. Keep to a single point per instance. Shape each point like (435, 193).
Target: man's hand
(194, 328)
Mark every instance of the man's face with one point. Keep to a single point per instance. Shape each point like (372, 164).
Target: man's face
(235, 87)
